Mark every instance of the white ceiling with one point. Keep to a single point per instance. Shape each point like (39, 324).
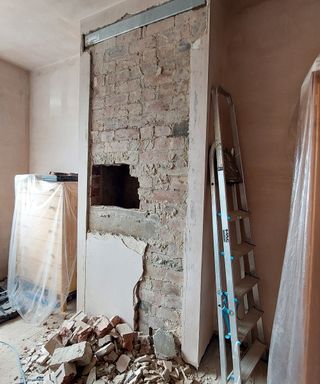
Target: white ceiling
(35, 33)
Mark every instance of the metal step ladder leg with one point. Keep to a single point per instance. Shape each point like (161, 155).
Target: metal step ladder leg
(232, 312)
(244, 205)
(217, 265)
(246, 330)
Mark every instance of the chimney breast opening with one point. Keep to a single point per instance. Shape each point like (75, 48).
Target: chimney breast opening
(112, 185)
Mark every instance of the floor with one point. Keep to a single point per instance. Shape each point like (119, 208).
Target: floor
(20, 335)
(209, 366)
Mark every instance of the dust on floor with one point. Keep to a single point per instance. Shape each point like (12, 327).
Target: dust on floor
(22, 335)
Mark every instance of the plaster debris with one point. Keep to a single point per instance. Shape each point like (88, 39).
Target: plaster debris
(81, 353)
(92, 377)
(122, 356)
(122, 363)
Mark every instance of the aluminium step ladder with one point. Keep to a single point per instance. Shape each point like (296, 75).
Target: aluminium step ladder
(233, 252)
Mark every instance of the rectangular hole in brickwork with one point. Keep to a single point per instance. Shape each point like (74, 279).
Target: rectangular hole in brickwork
(113, 185)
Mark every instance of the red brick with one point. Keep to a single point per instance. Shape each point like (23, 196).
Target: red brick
(150, 55)
(117, 146)
(148, 94)
(162, 131)
(127, 133)
(135, 109)
(135, 96)
(170, 196)
(146, 132)
(169, 143)
(160, 26)
(117, 99)
(154, 156)
(157, 106)
(141, 45)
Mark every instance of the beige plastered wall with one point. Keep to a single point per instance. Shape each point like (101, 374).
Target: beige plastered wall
(268, 49)
(208, 320)
(54, 117)
(14, 146)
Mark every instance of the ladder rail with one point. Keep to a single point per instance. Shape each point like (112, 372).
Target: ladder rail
(243, 201)
(235, 345)
(227, 303)
(246, 222)
(217, 264)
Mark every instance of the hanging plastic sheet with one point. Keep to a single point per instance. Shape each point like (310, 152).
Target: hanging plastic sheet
(291, 337)
(43, 246)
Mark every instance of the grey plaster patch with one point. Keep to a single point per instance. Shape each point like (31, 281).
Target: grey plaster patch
(181, 129)
(123, 221)
(164, 344)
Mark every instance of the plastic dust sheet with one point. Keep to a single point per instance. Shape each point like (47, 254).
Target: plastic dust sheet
(43, 246)
(289, 341)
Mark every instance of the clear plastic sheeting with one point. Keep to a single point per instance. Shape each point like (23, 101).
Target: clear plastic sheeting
(290, 336)
(43, 246)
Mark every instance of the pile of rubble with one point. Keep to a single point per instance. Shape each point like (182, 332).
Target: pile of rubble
(96, 350)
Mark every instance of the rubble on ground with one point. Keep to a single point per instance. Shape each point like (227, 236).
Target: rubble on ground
(98, 350)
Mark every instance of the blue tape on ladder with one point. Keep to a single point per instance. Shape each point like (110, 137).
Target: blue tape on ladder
(226, 313)
(228, 217)
(222, 254)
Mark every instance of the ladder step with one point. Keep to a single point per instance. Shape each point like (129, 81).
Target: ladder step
(245, 285)
(239, 250)
(248, 323)
(251, 359)
(237, 215)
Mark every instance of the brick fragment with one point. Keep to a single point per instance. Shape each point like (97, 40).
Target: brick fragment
(84, 331)
(54, 342)
(111, 357)
(79, 316)
(65, 373)
(127, 336)
(80, 353)
(105, 350)
(102, 327)
(104, 340)
(115, 320)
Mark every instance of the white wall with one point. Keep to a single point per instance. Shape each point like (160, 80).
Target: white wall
(54, 119)
(14, 146)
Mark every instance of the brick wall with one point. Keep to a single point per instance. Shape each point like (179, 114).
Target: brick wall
(140, 116)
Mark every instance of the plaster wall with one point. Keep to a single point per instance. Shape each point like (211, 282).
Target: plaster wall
(36, 33)
(14, 142)
(270, 48)
(54, 118)
(217, 54)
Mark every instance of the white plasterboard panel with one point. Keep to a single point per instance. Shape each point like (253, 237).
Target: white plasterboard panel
(114, 265)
